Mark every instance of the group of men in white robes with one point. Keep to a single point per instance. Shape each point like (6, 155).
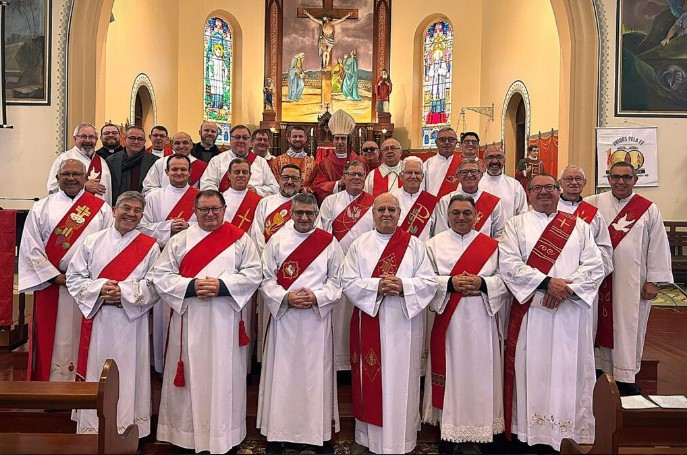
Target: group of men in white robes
(412, 268)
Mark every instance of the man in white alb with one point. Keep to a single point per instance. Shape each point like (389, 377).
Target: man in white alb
(506, 188)
(157, 175)
(440, 169)
(388, 175)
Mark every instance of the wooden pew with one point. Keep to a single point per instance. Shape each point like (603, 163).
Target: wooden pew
(677, 239)
(102, 396)
(618, 430)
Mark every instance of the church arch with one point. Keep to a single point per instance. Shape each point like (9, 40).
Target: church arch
(143, 93)
(514, 129)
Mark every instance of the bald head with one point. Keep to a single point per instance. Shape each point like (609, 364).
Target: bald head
(182, 143)
(494, 159)
(391, 152)
(386, 213)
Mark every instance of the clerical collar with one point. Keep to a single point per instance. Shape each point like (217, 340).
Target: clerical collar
(290, 152)
(578, 200)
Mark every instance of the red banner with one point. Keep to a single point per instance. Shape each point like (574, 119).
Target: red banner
(8, 227)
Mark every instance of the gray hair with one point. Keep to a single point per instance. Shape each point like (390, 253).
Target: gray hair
(304, 198)
(132, 196)
(410, 159)
(84, 125)
(573, 167)
(83, 166)
(469, 161)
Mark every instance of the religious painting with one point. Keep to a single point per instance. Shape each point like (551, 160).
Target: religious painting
(218, 53)
(437, 57)
(27, 51)
(327, 60)
(651, 58)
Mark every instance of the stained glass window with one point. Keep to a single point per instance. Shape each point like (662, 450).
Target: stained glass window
(437, 57)
(217, 75)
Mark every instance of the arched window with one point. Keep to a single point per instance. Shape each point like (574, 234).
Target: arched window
(218, 52)
(437, 57)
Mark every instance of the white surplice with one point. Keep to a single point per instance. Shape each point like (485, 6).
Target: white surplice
(473, 398)
(35, 270)
(393, 173)
(554, 358)
(120, 334)
(509, 190)
(157, 177)
(642, 256)
(401, 330)
(234, 199)
(75, 154)
(209, 412)
(406, 201)
(331, 207)
(261, 176)
(297, 378)
(493, 227)
(435, 168)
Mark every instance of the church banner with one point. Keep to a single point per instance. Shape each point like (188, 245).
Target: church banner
(634, 145)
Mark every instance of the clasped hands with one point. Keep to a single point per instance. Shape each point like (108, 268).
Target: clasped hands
(206, 288)
(301, 299)
(390, 285)
(110, 292)
(557, 291)
(178, 225)
(466, 283)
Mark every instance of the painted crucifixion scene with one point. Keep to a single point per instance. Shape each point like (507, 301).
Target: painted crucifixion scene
(327, 58)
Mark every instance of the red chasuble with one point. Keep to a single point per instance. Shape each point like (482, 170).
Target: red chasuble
(450, 182)
(366, 343)
(485, 205)
(471, 261)
(329, 171)
(348, 217)
(381, 184)
(542, 257)
(66, 232)
(302, 256)
(246, 212)
(622, 224)
(224, 183)
(419, 214)
(184, 207)
(277, 219)
(119, 268)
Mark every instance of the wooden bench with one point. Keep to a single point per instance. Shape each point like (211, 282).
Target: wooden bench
(102, 396)
(618, 430)
(677, 239)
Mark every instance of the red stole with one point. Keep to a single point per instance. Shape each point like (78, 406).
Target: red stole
(381, 184)
(118, 269)
(450, 182)
(485, 205)
(420, 213)
(224, 183)
(348, 217)
(302, 256)
(66, 232)
(184, 207)
(96, 166)
(625, 220)
(197, 169)
(366, 343)
(246, 211)
(542, 257)
(586, 212)
(278, 218)
(471, 261)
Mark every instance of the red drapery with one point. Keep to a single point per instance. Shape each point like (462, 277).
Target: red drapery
(548, 150)
(7, 246)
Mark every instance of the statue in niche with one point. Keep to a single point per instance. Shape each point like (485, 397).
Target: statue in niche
(383, 91)
(268, 93)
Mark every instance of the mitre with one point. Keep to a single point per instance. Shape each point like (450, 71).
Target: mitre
(341, 123)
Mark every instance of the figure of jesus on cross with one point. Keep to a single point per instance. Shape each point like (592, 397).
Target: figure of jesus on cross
(327, 17)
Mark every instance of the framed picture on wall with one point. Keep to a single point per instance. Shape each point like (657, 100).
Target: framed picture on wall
(27, 52)
(651, 58)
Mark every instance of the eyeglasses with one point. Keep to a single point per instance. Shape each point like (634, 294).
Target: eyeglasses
(391, 210)
(308, 213)
(449, 139)
(293, 178)
(494, 157)
(616, 178)
(470, 141)
(240, 171)
(355, 174)
(465, 213)
(369, 149)
(573, 179)
(241, 138)
(66, 175)
(465, 172)
(206, 210)
(87, 136)
(539, 188)
(128, 208)
(390, 149)
(136, 138)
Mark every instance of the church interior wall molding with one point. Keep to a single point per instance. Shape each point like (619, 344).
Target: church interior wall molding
(61, 67)
(142, 80)
(520, 88)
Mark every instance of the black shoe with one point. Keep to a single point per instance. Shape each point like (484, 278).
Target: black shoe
(446, 447)
(325, 448)
(627, 389)
(274, 447)
(599, 373)
(467, 448)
